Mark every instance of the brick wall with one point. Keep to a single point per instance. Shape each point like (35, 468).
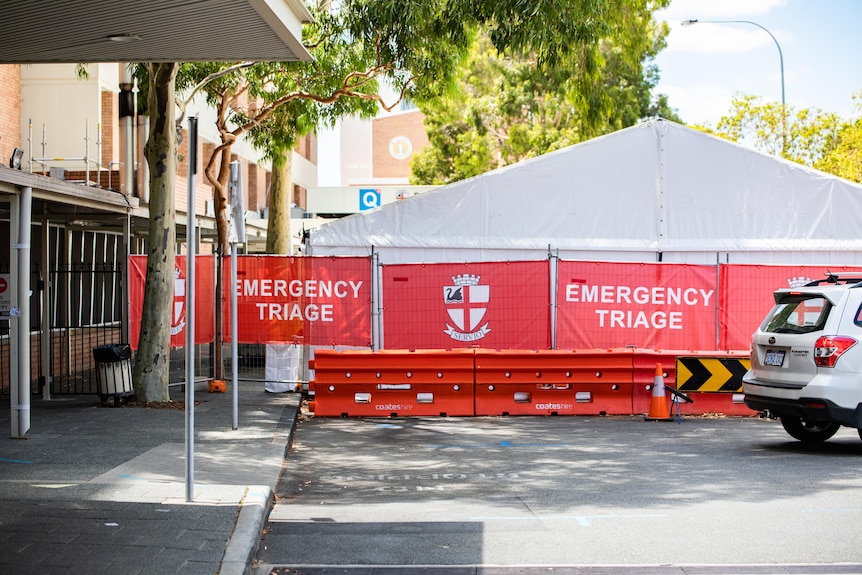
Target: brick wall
(72, 349)
(10, 111)
(110, 130)
(183, 155)
(300, 196)
(384, 130)
(108, 180)
(307, 148)
(256, 187)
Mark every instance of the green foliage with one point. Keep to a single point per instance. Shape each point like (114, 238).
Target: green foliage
(411, 46)
(576, 68)
(809, 136)
(509, 106)
(845, 157)
(573, 62)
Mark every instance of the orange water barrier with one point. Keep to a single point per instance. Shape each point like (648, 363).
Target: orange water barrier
(589, 382)
(483, 382)
(392, 383)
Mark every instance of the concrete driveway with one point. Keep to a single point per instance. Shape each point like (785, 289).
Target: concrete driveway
(564, 491)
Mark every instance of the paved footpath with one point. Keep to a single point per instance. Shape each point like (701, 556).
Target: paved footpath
(102, 489)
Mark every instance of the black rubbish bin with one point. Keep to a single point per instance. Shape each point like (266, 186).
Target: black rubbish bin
(114, 371)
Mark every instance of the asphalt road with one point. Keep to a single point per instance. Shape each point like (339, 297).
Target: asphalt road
(564, 491)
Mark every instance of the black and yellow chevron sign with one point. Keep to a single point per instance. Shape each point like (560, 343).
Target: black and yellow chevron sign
(722, 374)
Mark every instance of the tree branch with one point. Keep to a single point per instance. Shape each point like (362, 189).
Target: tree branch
(347, 89)
(182, 104)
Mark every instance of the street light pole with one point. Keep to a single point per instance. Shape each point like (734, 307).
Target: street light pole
(692, 22)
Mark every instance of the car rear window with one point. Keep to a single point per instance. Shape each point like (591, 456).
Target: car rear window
(798, 313)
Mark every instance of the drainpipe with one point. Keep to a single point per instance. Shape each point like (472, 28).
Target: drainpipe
(45, 323)
(20, 403)
(143, 173)
(127, 131)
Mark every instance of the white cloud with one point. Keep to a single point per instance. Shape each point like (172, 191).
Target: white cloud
(680, 10)
(701, 103)
(705, 65)
(705, 38)
(714, 34)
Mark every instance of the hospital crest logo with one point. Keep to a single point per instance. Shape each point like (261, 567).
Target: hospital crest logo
(466, 302)
(796, 282)
(178, 319)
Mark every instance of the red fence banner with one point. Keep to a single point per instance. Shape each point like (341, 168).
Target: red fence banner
(497, 305)
(326, 301)
(652, 306)
(307, 300)
(204, 300)
(746, 295)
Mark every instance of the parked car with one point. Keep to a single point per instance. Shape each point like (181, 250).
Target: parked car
(806, 359)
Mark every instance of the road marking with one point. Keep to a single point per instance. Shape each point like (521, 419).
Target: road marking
(833, 510)
(505, 444)
(3, 459)
(768, 569)
(583, 520)
(132, 477)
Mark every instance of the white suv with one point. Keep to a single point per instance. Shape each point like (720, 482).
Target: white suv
(806, 366)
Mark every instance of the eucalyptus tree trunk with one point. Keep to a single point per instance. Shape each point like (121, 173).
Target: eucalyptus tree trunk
(278, 223)
(153, 356)
(219, 182)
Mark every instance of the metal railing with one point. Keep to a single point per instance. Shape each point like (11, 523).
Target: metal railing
(46, 160)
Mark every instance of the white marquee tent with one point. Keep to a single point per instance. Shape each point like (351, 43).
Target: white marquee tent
(658, 191)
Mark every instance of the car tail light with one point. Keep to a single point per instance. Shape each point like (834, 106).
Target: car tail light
(813, 403)
(828, 349)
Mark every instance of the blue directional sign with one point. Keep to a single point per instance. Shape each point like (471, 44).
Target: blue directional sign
(369, 198)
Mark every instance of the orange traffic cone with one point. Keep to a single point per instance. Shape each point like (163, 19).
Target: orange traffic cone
(658, 407)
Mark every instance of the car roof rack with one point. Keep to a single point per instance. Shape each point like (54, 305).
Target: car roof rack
(837, 279)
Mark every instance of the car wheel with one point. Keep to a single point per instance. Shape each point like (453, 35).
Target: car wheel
(809, 431)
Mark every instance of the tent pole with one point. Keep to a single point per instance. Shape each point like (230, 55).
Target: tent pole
(553, 264)
(375, 301)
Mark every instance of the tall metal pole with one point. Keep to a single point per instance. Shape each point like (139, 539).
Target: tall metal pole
(236, 235)
(692, 22)
(234, 343)
(47, 303)
(191, 226)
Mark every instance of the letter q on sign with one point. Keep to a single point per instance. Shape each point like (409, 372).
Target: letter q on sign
(368, 199)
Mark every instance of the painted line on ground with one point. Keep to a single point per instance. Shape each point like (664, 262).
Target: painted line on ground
(4, 460)
(504, 444)
(583, 520)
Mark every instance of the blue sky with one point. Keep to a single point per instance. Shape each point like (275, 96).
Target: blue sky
(706, 65)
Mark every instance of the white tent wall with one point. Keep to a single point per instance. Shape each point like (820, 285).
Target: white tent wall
(720, 197)
(657, 191)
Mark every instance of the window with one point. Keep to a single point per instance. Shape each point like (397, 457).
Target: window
(858, 319)
(798, 314)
